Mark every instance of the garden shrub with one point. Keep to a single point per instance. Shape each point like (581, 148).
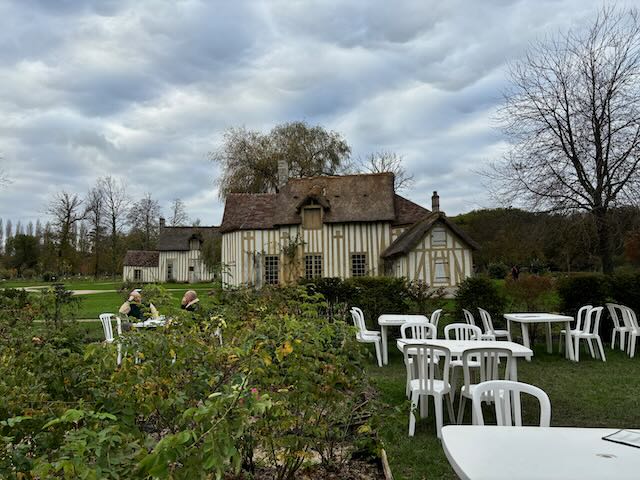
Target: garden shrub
(625, 289)
(532, 293)
(479, 291)
(286, 386)
(497, 270)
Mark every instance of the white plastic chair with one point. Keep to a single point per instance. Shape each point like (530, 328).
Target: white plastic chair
(589, 333)
(461, 331)
(619, 326)
(487, 322)
(468, 317)
(415, 331)
(366, 336)
(580, 319)
(490, 366)
(435, 317)
(428, 382)
(631, 322)
(105, 318)
(506, 395)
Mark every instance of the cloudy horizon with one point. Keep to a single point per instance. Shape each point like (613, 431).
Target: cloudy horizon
(142, 91)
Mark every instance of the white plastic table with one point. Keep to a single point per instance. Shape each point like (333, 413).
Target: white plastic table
(525, 319)
(497, 453)
(394, 320)
(151, 323)
(457, 347)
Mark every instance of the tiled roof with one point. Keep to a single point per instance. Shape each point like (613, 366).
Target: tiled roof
(141, 258)
(346, 198)
(177, 238)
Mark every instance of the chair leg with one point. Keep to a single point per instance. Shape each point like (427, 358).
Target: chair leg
(576, 349)
(424, 406)
(590, 344)
(632, 342)
(378, 353)
(463, 400)
(452, 416)
(412, 416)
(622, 339)
(600, 347)
(438, 407)
(119, 357)
(613, 338)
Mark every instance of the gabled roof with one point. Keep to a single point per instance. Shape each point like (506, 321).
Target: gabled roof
(414, 234)
(345, 198)
(177, 238)
(141, 258)
(248, 211)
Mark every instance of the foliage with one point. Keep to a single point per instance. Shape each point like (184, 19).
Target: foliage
(497, 270)
(249, 159)
(578, 290)
(532, 293)
(287, 385)
(479, 291)
(57, 304)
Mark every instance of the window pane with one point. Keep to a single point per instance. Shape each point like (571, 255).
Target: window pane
(312, 266)
(438, 237)
(358, 264)
(441, 270)
(271, 269)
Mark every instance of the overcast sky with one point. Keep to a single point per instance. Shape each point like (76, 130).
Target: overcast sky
(143, 89)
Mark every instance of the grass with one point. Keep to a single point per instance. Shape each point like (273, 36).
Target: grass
(108, 299)
(590, 393)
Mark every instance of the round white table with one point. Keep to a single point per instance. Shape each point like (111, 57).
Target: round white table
(537, 453)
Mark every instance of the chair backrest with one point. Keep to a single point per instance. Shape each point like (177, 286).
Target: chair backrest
(418, 330)
(468, 317)
(629, 318)
(426, 366)
(581, 316)
(613, 309)
(506, 395)
(358, 319)
(105, 318)
(491, 363)
(435, 317)
(487, 323)
(592, 320)
(462, 331)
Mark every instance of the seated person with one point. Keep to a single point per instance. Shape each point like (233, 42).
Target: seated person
(190, 301)
(134, 307)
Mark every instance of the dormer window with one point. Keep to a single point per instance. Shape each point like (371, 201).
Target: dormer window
(194, 244)
(312, 217)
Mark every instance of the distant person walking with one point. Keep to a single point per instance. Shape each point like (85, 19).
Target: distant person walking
(515, 272)
(190, 301)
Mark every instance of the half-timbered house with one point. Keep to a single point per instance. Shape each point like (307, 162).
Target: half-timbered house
(178, 257)
(340, 226)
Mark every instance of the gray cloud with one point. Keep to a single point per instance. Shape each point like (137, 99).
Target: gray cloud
(143, 90)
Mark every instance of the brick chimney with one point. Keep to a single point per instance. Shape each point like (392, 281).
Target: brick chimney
(435, 202)
(162, 222)
(283, 173)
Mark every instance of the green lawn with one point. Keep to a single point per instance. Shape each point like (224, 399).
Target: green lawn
(586, 394)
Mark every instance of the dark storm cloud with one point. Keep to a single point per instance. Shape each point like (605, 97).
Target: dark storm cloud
(143, 90)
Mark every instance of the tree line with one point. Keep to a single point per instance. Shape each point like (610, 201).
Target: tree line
(86, 234)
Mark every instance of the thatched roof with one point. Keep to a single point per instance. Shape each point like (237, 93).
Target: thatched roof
(347, 198)
(177, 238)
(414, 234)
(141, 258)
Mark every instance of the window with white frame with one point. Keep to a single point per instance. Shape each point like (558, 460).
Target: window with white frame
(441, 270)
(271, 269)
(358, 264)
(438, 237)
(313, 266)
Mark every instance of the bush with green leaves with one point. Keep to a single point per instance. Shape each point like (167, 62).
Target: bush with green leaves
(286, 387)
(479, 291)
(497, 270)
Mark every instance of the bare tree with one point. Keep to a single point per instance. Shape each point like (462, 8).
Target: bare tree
(95, 214)
(8, 231)
(249, 159)
(19, 229)
(178, 215)
(116, 204)
(573, 118)
(66, 211)
(143, 218)
(385, 161)
(30, 229)
(1, 237)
